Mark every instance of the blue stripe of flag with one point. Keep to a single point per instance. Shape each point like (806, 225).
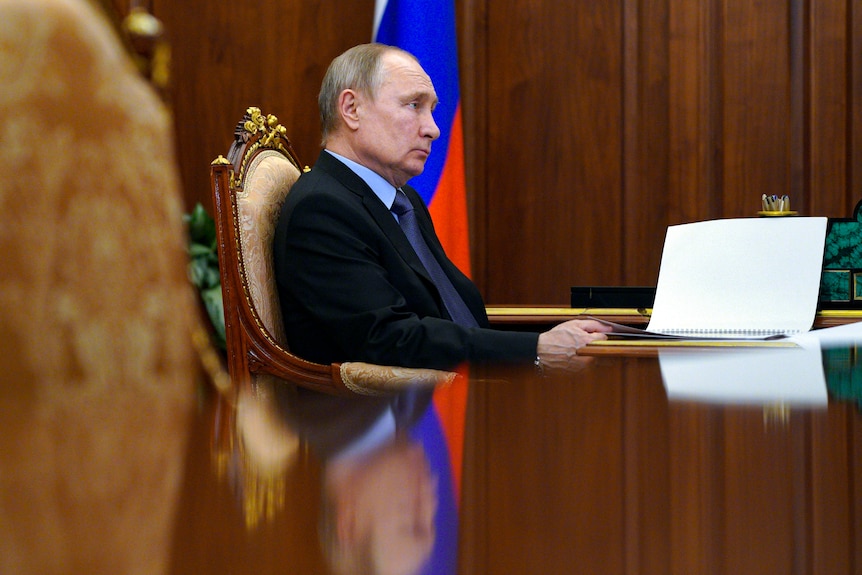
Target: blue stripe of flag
(426, 29)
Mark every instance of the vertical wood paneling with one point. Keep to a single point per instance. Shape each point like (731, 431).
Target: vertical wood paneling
(271, 54)
(694, 117)
(829, 110)
(473, 55)
(799, 98)
(854, 97)
(553, 148)
(756, 108)
(589, 127)
(645, 153)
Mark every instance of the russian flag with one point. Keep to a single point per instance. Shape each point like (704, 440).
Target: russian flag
(426, 29)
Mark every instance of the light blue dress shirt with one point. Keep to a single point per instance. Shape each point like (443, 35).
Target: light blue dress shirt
(381, 188)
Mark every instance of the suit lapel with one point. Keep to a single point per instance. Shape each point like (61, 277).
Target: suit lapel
(378, 211)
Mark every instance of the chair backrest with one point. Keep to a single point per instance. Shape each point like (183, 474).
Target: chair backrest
(269, 177)
(249, 188)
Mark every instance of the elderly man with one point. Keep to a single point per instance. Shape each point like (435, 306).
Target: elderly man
(361, 274)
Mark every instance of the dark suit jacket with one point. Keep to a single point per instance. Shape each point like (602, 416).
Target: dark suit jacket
(352, 288)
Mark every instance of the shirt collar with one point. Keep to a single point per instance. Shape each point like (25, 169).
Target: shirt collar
(382, 431)
(381, 188)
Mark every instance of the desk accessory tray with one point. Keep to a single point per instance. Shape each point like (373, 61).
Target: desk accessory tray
(610, 297)
(841, 282)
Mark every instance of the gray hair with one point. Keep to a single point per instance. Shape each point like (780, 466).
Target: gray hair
(361, 69)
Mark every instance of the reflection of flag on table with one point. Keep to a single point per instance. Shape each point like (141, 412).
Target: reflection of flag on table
(426, 29)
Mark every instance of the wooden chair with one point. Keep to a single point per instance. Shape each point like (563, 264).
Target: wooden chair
(249, 187)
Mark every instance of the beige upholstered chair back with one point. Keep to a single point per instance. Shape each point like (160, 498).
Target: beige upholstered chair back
(268, 179)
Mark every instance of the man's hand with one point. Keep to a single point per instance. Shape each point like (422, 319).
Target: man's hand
(557, 348)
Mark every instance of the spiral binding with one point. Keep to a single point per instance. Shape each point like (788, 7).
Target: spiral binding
(718, 332)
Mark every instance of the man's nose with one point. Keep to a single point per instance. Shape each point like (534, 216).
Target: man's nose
(431, 129)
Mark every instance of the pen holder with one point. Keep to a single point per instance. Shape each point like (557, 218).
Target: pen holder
(841, 282)
(775, 206)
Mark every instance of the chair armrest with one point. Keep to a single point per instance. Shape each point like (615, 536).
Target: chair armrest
(370, 379)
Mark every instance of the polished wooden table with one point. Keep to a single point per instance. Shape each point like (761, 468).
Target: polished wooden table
(684, 462)
(594, 470)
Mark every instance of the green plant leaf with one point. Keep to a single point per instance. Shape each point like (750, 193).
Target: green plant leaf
(199, 250)
(215, 309)
(201, 226)
(203, 268)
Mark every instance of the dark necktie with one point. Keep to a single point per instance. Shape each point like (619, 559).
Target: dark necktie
(451, 299)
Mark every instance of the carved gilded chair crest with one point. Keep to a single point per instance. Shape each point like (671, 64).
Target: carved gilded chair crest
(270, 134)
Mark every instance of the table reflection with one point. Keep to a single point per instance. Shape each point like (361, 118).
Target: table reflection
(843, 366)
(842, 362)
(383, 471)
(609, 474)
(603, 470)
(804, 376)
(754, 376)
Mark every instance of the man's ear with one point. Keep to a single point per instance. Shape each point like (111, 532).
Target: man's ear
(348, 106)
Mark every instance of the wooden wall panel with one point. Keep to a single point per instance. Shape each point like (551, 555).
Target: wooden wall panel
(270, 54)
(553, 143)
(830, 117)
(590, 126)
(755, 81)
(646, 143)
(853, 120)
(693, 117)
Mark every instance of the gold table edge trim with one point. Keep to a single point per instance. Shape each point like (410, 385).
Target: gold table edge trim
(539, 311)
(549, 311)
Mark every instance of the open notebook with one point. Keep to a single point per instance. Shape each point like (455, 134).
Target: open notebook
(744, 278)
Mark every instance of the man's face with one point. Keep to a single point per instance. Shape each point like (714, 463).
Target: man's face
(396, 501)
(395, 130)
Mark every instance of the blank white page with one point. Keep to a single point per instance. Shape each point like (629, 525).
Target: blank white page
(740, 277)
